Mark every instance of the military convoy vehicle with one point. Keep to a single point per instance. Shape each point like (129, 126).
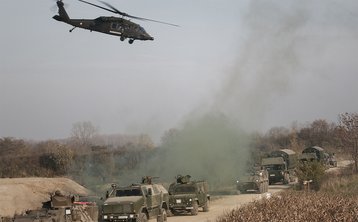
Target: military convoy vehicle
(307, 157)
(317, 151)
(256, 180)
(187, 196)
(280, 165)
(62, 208)
(136, 203)
(318, 154)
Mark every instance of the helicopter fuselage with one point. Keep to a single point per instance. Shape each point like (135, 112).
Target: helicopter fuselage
(111, 25)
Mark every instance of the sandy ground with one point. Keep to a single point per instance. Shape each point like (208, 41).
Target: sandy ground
(224, 204)
(20, 194)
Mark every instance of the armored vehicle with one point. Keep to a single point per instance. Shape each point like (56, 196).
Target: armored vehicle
(255, 180)
(280, 165)
(187, 196)
(62, 208)
(136, 203)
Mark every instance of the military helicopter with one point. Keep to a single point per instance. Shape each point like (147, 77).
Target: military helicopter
(118, 26)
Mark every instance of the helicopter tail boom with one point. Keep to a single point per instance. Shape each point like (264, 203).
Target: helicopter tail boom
(62, 14)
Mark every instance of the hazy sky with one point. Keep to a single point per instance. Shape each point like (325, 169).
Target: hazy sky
(262, 63)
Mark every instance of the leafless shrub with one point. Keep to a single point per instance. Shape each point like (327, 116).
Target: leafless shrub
(297, 206)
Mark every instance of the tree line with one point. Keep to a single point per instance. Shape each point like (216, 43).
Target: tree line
(87, 154)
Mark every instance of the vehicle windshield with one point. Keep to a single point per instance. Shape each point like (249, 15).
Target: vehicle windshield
(184, 189)
(129, 192)
(274, 167)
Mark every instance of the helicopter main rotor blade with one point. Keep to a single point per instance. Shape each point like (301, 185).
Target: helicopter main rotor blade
(116, 10)
(135, 17)
(89, 3)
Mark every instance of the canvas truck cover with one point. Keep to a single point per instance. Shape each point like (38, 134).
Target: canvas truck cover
(272, 161)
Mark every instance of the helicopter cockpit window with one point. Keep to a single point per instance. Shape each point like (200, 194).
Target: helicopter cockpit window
(141, 29)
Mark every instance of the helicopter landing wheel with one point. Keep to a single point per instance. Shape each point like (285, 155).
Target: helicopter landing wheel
(131, 41)
(122, 38)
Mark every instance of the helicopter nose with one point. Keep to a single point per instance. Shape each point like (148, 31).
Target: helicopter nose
(147, 37)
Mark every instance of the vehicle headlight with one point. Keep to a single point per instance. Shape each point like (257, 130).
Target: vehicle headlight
(111, 217)
(131, 216)
(68, 211)
(190, 200)
(105, 217)
(237, 181)
(257, 180)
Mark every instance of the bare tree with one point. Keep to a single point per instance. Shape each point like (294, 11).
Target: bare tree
(348, 132)
(169, 137)
(83, 132)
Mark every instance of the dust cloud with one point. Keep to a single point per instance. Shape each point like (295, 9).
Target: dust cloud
(213, 142)
(208, 147)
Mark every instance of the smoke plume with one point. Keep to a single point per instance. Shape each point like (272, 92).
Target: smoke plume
(213, 141)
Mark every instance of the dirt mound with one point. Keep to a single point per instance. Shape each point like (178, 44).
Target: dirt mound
(21, 194)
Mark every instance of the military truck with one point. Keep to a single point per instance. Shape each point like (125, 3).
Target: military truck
(255, 180)
(321, 155)
(62, 208)
(136, 202)
(187, 196)
(329, 160)
(307, 157)
(280, 165)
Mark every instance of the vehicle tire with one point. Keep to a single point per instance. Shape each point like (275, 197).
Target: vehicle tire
(195, 209)
(162, 217)
(142, 217)
(206, 206)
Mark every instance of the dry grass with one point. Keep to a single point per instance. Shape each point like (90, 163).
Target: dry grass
(297, 206)
(337, 200)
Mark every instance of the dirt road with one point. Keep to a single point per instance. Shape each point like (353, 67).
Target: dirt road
(224, 204)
